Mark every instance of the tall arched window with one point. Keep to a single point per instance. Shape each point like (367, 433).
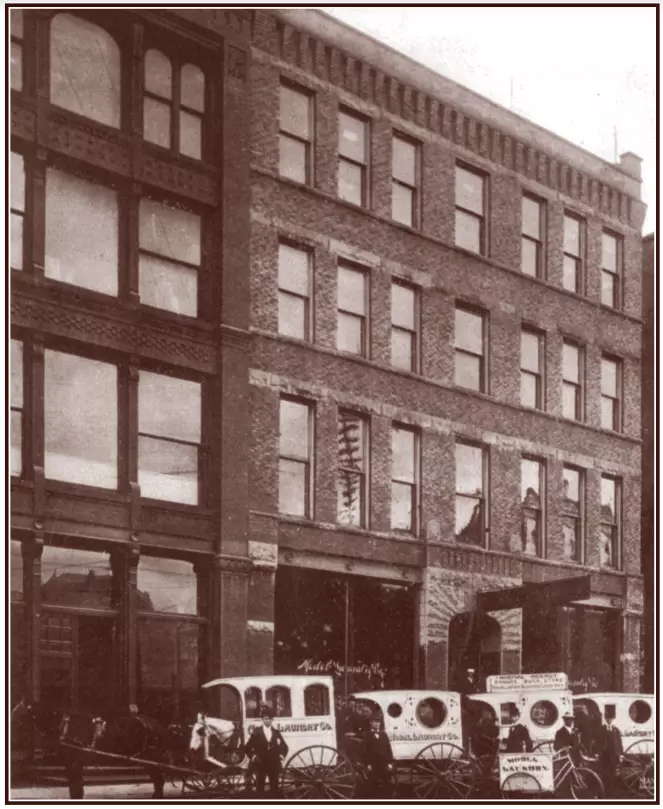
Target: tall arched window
(85, 69)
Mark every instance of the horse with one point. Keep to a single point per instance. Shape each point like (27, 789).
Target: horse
(215, 741)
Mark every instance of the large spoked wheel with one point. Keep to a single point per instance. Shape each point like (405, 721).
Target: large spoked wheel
(215, 783)
(520, 785)
(443, 770)
(318, 772)
(586, 784)
(636, 771)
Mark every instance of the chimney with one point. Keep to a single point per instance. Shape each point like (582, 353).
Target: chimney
(631, 164)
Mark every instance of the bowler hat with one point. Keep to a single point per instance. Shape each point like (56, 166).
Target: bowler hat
(266, 711)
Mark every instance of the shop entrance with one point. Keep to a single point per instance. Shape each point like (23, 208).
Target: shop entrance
(474, 642)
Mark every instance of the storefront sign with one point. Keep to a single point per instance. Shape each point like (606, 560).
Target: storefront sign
(532, 766)
(336, 668)
(584, 685)
(555, 681)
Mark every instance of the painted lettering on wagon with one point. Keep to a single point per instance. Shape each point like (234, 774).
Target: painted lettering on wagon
(297, 727)
(423, 737)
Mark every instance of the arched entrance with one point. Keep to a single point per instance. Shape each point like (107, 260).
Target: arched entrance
(474, 642)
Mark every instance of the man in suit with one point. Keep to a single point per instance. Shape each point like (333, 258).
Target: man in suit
(266, 747)
(378, 758)
(610, 750)
(567, 737)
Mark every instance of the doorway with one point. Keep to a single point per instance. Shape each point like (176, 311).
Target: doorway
(474, 642)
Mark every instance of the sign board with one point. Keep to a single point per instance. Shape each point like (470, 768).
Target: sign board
(536, 595)
(545, 681)
(527, 772)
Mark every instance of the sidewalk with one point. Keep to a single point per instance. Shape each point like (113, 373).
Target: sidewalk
(93, 792)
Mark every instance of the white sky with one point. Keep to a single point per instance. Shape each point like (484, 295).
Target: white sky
(579, 72)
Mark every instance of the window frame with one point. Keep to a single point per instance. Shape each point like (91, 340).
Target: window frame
(415, 222)
(540, 512)
(483, 498)
(414, 484)
(23, 214)
(617, 400)
(483, 357)
(308, 464)
(540, 269)
(579, 259)
(483, 217)
(363, 473)
(19, 42)
(308, 144)
(414, 334)
(364, 166)
(308, 299)
(365, 318)
(578, 387)
(616, 526)
(578, 518)
(616, 275)
(540, 375)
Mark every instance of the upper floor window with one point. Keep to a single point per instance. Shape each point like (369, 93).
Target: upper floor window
(85, 69)
(531, 368)
(352, 293)
(611, 385)
(470, 210)
(574, 247)
(296, 134)
(403, 326)
(612, 252)
(295, 443)
(471, 497)
(16, 69)
(404, 479)
(470, 340)
(16, 404)
(17, 206)
(531, 256)
(80, 420)
(169, 257)
(405, 181)
(532, 497)
(294, 291)
(82, 221)
(173, 105)
(167, 585)
(573, 513)
(610, 533)
(169, 437)
(572, 381)
(352, 468)
(352, 158)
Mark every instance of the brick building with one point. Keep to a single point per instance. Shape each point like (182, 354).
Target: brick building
(310, 345)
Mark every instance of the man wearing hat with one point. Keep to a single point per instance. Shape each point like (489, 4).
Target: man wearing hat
(610, 750)
(377, 757)
(266, 748)
(567, 737)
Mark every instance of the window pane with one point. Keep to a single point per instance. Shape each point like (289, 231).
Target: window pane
(16, 67)
(169, 407)
(168, 286)
(469, 521)
(571, 236)
(166, 585)
(609, 252)
(609, 377)
(529, 258)
(156, 122)
(190, 135)
(531, 215)
(609, 289)
(402, 349)
(16, 443)
(81, 233)
(570, 274)
(608, 420)
(402, 515)
(292, 162)
(530, 483)
(608, 499)
(16, 359)
(75, 578)
(16, 242)
(169, 232)
(404, 161)
(468, 231)
(607, 546)
(292, 316)
(530, 345)
(350, 182)
(403, 304)
(294, 269)
(402, 204)
(168, 470)
(158, 74)
(294, 429)
(85, 69)
(571, 487)
(351, 290)
(467, 372)
(350, 334)
(570, 538)
(469, 331)
(295, 113)
(529, 390)
(351, 438)
(349, 508)
(403, 446)
(530, 533)
(193, 88)
(352, 137)
(469, 190)
(17, 194)
(571, 363)
(293, 487)
(570, 402)
(80, 420)
(469, 469)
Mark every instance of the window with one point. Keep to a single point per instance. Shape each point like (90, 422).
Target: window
(404, 479)
(610, 530)
(572, 513)
(572, 381)
(471, 485)
(531, 368)
(66, 580)
(405, 181)
(80, 420)
(352, 468)
(404, 327)
(166, 585)
(352, 335)
(352, 158)
(611, 385)
(169, 437)
(470, 210)
(85, 69)
(16, 70)
(611, 270)
(574, 245)
(470, 366)
(531, 256)
(295, 439)
(316, 700)
(544, 713)
(253, 701)
(169, 259)
(173, 105)
(296, 135)
(81, 233)
(16, 404)
(294, 291)
(17, 206)
(532, 494)
(278, 699)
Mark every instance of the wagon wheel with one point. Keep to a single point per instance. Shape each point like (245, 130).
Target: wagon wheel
(195, 781)
(443, 770)
(318, 772)
(520, 785)
(637, 768)
(585, 784)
